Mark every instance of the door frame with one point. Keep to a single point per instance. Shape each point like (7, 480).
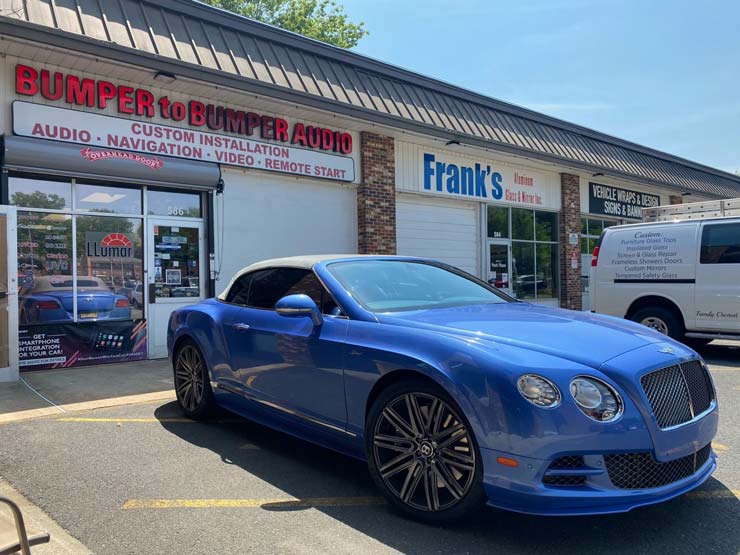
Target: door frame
(11, 372)
(203, 276)
(507, 244)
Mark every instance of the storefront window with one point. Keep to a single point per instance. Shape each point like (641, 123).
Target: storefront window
(498, 222)
(113, 200)
(40, 193)
(44, 267)
(522, 264)
(176, 261)
(547, 271)
(595, 227)
(591, 229)
(522, 224)
(169, 203)
(546, 226)
(81, 267)
(535, 251)
(110, 268)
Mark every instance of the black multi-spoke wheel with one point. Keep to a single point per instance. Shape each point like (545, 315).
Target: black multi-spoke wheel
(422, 452)
(192, 386)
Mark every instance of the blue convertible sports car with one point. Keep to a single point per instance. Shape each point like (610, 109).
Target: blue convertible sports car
(453, 393)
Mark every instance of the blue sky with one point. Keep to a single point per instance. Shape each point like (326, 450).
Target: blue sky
(662, 73)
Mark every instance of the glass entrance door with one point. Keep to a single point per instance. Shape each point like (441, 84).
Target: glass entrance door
(499, 265)
(8, 295)
(175, 274)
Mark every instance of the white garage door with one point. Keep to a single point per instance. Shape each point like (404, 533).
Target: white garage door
(444, 230)
(273, 216)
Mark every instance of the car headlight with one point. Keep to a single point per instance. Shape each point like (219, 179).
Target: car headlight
(538, 390)
(596, 399)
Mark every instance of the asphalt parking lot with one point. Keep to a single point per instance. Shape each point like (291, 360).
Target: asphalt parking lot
(141, 479)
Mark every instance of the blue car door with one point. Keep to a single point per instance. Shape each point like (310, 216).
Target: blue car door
(286, 360)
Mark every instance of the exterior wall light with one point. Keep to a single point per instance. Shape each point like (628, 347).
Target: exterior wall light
(165, 77)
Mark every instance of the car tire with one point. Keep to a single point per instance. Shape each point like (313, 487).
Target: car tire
(419, 478)
(192, 383)
(660, 319)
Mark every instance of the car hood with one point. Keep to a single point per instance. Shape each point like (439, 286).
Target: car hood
(582, 337)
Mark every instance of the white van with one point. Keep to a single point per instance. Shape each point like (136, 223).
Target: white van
(679, 275)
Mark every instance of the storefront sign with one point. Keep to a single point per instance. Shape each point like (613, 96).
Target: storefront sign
(95, 154)
(108, 245)
(96, 93)
(620, 203)
(73, 126)
(65, 345)
(485, 181)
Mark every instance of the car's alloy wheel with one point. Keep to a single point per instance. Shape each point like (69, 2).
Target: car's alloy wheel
(191, 381)
(424, 456)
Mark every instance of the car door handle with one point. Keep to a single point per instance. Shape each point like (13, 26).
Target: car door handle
(240, 326)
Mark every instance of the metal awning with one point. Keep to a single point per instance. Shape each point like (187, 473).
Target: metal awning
(208, 44)
(83, 162)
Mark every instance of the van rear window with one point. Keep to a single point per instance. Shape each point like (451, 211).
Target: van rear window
(720, 244)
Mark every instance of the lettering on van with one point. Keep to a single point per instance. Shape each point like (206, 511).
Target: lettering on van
(621, 203)
(647, 256)
(711, 314)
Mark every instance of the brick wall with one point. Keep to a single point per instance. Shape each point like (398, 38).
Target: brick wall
(376, 195)
(570, 222)
(675, 199)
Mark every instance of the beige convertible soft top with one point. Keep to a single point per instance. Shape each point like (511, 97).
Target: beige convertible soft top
(306, 261)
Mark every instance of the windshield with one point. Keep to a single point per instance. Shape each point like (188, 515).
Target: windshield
(395, 285)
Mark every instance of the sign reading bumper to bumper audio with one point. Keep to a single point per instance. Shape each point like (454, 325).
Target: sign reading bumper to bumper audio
(74, 126)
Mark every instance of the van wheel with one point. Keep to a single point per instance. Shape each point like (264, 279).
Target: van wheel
(660, 319)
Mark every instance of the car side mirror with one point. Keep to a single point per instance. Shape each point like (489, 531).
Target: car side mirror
(299, 305)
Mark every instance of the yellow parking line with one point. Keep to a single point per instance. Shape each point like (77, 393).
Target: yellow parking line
(719, 447)
(278, 502)
(140, 420)
(249, 447)
(293, 502)
(122, 420)
(157, 396)
(715, 494)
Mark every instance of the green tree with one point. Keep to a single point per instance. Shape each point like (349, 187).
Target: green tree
(37, 199)
(322, 20)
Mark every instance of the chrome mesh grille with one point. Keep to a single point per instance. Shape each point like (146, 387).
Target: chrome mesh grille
(678, 393)
(642, 471)
(700, 388)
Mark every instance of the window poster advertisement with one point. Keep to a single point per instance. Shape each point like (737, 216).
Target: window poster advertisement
(64, 345)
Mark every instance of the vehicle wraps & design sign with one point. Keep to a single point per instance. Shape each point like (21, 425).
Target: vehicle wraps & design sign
(619, 203)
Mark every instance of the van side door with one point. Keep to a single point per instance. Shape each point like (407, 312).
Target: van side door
(718, 278)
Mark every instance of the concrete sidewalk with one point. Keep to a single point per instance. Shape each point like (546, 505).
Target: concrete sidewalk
(48, 392)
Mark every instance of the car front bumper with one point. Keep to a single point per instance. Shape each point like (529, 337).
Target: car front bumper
(522, 489)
